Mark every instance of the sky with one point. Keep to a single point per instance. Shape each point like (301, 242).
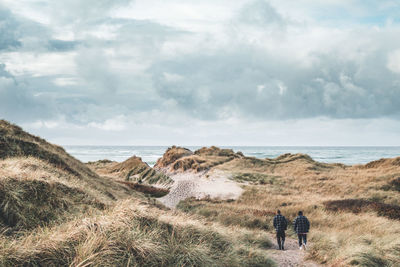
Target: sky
(184, 72)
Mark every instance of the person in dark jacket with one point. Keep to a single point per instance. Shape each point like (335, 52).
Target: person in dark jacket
(301, 227)
(280, 225)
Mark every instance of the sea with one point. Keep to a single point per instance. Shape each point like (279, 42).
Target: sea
(149, 154)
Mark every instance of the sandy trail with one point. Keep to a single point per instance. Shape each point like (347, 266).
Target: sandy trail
(216, 184)
(213, 184)
(292, 256)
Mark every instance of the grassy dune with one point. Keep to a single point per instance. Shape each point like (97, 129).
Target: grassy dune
(354, 210)
(132, 169)
(55, 211)
(135, 234)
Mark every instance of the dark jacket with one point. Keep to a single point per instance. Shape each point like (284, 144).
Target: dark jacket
(301, 224)
(280, 223)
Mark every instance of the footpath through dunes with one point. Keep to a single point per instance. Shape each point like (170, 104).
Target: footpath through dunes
(193, 175)
(292, 256)
(354, 210)
(213, 172)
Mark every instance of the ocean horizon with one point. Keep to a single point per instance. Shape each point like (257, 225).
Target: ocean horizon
(348, 155)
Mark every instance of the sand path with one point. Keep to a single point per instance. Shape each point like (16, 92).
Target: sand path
(218, 185)
(200, 185)
(292, 256)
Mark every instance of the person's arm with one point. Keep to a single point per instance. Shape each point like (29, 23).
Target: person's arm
(295, 224)
(275, 222)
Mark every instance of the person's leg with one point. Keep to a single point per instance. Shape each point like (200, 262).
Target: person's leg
(300, 237)
(283, 240)
(278, 239)
(305, 239)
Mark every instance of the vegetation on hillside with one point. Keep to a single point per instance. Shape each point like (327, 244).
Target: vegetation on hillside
(132, 169)
(353, 210)
(136, 234)
(55, 211)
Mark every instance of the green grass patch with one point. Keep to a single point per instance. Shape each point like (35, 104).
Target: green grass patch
(257, 178)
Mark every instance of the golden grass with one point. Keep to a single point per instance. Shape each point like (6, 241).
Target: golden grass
(55, 211)
(134, 234)
(132, 169)
(292, 183)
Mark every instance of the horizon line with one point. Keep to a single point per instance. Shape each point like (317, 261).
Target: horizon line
(240, 145)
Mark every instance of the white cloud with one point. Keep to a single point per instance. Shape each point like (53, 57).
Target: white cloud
(394, 61)
(172, 77)
(42, 64)
(65, 81)
(201, 70)
(114, 124)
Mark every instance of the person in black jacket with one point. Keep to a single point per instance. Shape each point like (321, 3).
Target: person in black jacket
(280, 225)
(301, 227)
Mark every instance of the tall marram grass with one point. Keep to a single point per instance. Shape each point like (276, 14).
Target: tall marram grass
(340, 236)
(132, 234)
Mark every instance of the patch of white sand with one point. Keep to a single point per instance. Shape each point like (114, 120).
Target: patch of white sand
(214, 184)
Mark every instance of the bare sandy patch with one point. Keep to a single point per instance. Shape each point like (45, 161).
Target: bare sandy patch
(212, 184)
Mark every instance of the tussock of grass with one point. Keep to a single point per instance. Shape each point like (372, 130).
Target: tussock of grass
(395, 184)
(27, 204)
(370, 259)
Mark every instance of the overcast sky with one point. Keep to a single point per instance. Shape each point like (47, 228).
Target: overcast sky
(223, 72)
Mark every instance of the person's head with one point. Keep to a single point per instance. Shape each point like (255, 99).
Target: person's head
(300, 213)
(278, 212)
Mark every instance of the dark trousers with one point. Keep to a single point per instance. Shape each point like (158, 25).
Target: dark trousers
(280, 238)
(302, 239)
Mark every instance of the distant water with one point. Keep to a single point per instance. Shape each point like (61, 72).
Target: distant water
(150, 154)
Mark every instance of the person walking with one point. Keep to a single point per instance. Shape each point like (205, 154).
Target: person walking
(301, 226)
(280, 225)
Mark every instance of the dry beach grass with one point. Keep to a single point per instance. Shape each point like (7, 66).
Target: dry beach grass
(54, 211)
(330, 195)
(57, 211)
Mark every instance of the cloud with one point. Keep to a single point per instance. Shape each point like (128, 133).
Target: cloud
(113, 65)
(17, 103)
(114, 124)
(9, 36)
(260, 13)
(394, 61)
(61, 45)
(344, 77)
